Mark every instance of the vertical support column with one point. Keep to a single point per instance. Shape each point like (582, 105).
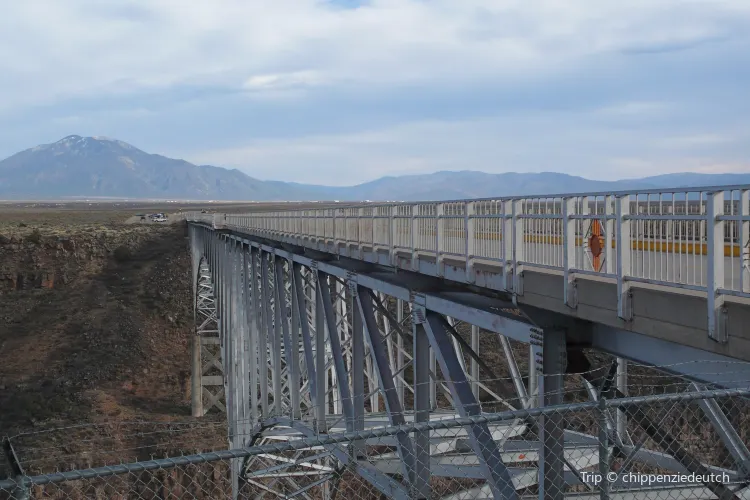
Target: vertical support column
(433, 379)
(243, 345)
(252, 334)
(224, 328)
(282, 315)
(604, 485)
(715, 238)
(270, 334)
(624, 249)
(421, 368)
(298, 289)
(535, 367)
(295, 336)
(261, 320)
(230, 362)
(342, 310)
(387, 329)
(551, 463)
(240, 366)
(320, 354)
(196, 375)
(276, 336)
(196, 368)
(621, 382)
(358, 366)
(330, 285)
(400, 351)
(473, 365)
(230, 365)
(569, 251)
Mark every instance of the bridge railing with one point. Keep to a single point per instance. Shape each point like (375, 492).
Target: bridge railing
(660, 237)
(688, 238)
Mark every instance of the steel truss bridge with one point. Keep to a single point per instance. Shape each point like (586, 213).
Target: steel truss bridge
(339, 319)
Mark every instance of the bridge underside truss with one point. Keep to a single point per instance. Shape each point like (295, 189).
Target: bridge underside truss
(308, 347)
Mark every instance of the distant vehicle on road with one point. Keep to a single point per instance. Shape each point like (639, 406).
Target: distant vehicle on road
(160, 219)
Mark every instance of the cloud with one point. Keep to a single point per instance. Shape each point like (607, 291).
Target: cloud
(150, 43)
(534, 142)
(292, 79)
(360, 89)
(634, 109)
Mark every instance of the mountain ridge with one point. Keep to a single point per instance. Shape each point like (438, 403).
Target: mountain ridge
(103, 167)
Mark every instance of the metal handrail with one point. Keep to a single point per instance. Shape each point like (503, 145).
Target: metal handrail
(659, 236)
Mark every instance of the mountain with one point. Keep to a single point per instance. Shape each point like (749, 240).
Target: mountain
(688, 179)
(78, 166)
(99, 167)
(472, 184)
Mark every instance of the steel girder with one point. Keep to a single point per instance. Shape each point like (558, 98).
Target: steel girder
(310, 347)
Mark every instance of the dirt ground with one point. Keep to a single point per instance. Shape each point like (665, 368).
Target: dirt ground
(95, 317)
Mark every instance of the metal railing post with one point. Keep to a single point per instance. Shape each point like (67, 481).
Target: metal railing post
(439, 237)
(715, 241)
(609, 229)
(414, 228)
(518, 241)
(508, 241)
(623, 249)
(569, 252)
(392, 212)
(604, 483)
(470, 244)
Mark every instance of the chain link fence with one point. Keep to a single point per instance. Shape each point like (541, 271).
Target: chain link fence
(684, 445)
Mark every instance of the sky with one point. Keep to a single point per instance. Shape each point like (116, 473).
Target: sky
(342, 92)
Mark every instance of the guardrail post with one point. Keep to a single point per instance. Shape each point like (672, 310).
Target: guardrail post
(517, 240)
(743, 239)
(715, 236)
(333, 231)
(569, 251)
(316, 230)
(393, 229)
(623, 249)
(439, 238)
(470, 224)
(604, 484)
(360, 242)
(506, 241)
(609, 229)
(414, 229)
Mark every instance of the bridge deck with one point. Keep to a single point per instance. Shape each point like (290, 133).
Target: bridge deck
(669, 265)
